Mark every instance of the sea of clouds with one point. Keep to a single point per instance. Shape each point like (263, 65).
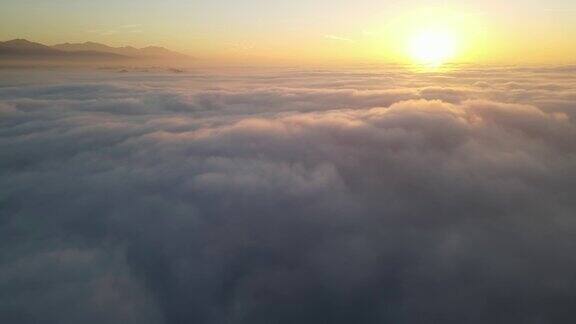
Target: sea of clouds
(264, 196)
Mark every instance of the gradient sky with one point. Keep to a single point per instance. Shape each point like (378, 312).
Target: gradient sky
(514, 31)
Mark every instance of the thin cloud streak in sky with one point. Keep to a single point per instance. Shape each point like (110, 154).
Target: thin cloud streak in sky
(339, 38)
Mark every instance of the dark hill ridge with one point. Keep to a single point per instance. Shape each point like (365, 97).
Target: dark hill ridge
(146, 52)
(24, 47)
(21, 49)
(24, 44)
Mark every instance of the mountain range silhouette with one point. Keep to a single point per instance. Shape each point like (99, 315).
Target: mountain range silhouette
(22, 49)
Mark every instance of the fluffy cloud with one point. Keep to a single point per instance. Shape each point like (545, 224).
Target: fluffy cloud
(288, 197)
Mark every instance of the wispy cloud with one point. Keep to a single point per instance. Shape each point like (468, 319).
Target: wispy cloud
(338, 38)
(129, 28)
(241, 46)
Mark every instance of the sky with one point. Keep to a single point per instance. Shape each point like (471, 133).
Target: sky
(299, 31)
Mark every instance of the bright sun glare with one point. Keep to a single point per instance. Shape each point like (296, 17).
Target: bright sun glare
(432, 47)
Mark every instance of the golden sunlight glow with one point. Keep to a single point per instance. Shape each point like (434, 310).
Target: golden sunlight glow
(432, 47)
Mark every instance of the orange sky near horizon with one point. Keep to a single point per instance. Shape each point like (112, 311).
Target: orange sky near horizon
(321, 31)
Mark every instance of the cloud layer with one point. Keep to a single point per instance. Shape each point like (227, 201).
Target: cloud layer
(353, 196)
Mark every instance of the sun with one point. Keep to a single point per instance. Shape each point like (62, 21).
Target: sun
(432, 47)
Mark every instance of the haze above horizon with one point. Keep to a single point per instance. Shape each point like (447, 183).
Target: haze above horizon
(306, 31)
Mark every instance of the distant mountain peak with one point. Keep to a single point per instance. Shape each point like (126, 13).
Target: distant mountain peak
(24, 49)
(20, 42)
(148, 52)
